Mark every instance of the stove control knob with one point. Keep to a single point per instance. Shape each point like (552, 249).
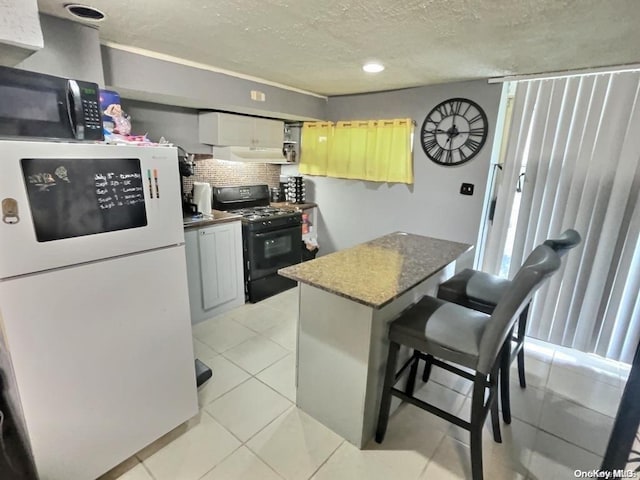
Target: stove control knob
(269, 222)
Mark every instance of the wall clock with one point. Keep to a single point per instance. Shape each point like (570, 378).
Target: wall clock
(454, 131)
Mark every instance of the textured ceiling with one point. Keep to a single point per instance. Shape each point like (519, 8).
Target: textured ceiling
(320, 46)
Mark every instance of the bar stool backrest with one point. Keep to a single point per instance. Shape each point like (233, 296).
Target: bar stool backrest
(539, 266)
(565, 242)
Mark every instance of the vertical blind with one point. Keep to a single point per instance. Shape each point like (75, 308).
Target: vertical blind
(374, 150)
(579, 140)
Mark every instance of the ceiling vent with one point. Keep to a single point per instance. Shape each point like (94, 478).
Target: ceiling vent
(85, 12)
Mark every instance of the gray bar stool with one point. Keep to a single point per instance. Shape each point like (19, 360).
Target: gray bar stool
(440, 332)
(482, 291)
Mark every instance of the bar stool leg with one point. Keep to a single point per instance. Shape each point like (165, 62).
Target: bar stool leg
(522, 327)
(427, 368)
(505, 396)
(389, 381)
(495, 416)
(477, 407)
(413, 373)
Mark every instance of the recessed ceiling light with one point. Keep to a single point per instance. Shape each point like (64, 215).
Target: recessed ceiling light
(373, 67)
(85, 12)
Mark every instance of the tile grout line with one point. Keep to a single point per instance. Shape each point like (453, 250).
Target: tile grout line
(575, 401)
(144, 466)
(251, 376)
(540, 429)
(262, 428)
(259, 431)
(244, 444)
(272, 388)
(435, 450)
(203, 411)
(327, 459)
(260, 371)
(566, 441)
(221, 460)
(579, 371)
(569, 442)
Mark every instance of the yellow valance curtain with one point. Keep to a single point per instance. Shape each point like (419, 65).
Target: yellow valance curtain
(374, 150)
(316, 139)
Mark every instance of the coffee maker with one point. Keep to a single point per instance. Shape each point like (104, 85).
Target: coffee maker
(186, 166)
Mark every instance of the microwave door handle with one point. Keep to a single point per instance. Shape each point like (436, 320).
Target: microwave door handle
(74, 108)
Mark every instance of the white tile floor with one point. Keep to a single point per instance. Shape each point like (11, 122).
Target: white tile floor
(249, 428)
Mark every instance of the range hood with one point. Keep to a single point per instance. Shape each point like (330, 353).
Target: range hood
(250, 154)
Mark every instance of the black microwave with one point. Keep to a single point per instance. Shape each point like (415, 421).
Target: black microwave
(35, 105)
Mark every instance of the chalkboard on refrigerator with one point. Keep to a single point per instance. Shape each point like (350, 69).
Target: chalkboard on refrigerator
(76, 197)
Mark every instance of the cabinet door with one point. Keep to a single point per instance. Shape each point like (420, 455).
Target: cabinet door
(268, 133)
(235, 130)
(218, 252)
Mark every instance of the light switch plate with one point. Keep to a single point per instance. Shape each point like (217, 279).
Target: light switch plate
(466, 189)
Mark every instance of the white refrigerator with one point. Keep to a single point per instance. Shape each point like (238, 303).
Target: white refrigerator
(95, 331)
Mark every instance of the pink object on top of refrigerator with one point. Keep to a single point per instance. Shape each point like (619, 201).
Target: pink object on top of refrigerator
(94, 312)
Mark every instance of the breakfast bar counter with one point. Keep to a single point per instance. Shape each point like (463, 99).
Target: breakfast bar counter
(346, 301)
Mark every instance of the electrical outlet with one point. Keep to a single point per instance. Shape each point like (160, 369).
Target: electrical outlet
(258, 96)
(466, 189)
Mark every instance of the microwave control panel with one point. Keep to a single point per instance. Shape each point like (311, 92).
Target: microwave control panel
(91, 111)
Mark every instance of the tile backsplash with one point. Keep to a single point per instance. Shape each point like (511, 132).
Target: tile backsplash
(221, 173)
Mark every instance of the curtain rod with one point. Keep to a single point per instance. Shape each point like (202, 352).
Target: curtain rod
(566, 73)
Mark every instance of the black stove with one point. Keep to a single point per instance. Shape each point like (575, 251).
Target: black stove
(256, 213)
(261, 213)
(259, 219)
(271, 238)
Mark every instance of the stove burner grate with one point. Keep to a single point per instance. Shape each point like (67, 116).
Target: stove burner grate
(258, 213)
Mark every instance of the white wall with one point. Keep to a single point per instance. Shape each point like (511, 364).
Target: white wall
(352, 211)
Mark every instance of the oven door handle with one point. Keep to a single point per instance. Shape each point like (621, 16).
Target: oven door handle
(279, 232)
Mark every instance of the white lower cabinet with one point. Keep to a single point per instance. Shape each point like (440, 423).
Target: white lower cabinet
(214, 269)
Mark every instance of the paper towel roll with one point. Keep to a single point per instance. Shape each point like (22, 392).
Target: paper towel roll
(202, 197)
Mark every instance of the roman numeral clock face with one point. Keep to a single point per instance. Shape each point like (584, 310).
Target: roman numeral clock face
(454, 131)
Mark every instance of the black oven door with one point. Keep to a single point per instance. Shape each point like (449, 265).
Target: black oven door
(272, 250)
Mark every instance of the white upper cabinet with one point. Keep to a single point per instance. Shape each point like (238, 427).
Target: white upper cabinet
(228, 130)
(20, 31)
(269, 133)
(224, 129)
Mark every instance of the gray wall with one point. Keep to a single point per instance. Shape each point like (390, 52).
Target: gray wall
(149, 79)
(178, 125)
(70, 50)
(354, 211)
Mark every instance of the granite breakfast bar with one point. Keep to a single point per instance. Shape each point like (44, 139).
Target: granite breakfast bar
(346, 301)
